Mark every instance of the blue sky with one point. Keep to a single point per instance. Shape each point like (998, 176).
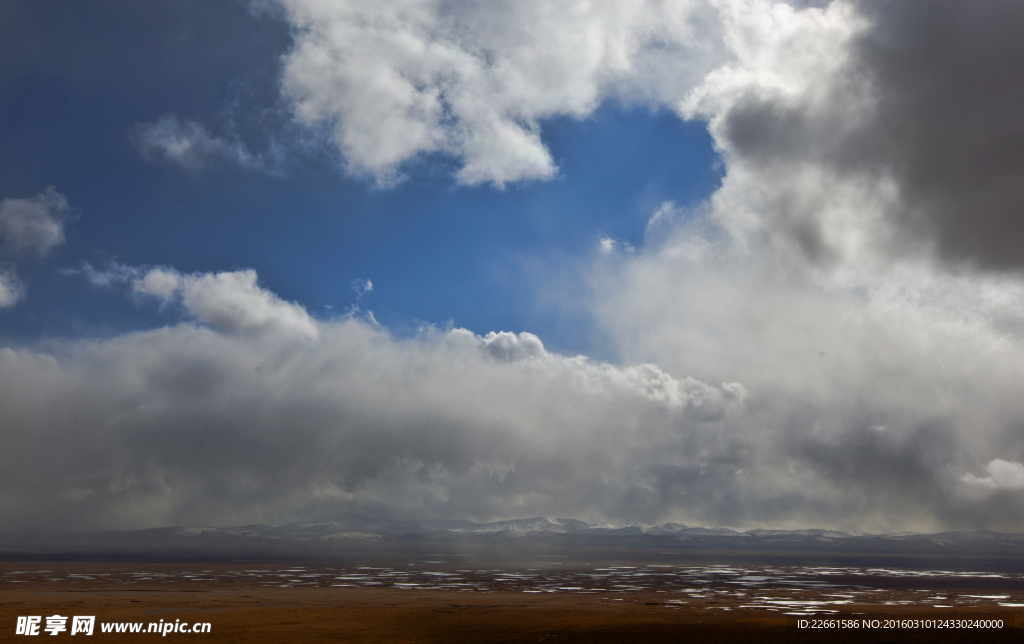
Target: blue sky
(78, 78)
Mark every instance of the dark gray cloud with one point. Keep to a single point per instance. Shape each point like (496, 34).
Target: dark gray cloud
(951, 121)
(916, 106)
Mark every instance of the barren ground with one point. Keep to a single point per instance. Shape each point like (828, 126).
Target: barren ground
(247, 610)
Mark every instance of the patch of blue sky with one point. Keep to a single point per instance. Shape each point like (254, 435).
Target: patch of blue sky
(437, 253)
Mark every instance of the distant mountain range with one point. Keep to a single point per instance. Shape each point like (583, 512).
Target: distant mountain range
(351, 537)
(361, 527)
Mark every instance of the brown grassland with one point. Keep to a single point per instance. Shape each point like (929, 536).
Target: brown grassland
(247, 612)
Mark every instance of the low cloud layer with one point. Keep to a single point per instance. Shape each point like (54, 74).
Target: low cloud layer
(187, 425)
(860, 415)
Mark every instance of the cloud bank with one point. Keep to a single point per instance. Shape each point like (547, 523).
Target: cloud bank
(838, 422)
(185, 425)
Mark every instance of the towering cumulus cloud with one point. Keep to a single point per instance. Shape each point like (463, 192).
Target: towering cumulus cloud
(858, 270)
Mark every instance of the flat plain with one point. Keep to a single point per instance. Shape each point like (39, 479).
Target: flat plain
(480, 601)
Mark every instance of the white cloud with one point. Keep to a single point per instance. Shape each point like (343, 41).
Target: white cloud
(511, 347)
(1002, 475)
(361, 288)
(29, 227)
(231, 302)
(664, 215)
(33, 226)
(11, 288)
(160, 282)
(115, 274)
(608, 246)
(189, 144)
(474, 79)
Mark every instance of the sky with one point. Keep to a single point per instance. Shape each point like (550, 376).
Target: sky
(721, 262)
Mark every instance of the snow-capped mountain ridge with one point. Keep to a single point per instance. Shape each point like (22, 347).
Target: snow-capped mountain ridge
(357, 526)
